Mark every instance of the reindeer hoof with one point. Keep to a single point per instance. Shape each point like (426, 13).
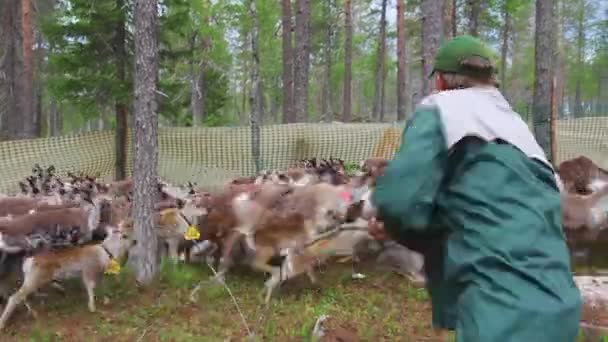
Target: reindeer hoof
(358, 276)
(345, 259)
(34, 313)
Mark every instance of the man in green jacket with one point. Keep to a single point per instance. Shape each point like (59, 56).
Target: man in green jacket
(470, 176)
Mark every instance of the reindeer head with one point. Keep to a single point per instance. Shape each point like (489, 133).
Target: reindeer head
(35, 191)
(37, 171)
(25, 189)
(119, 240)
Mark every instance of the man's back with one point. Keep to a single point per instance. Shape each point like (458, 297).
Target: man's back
(502, 210)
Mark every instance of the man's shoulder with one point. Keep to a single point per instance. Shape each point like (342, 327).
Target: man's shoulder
(460, 96)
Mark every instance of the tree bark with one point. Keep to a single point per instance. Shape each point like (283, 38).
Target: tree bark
(401, 62)
(54, 120)
(348, 61)
(473, 11)
(504, 49)
(196, 94)
(28, 100)
(121, 109)
(10, 65)
(580, 48)
(255, 96)
(326, 95)
(199, 68)
(288, 67)
(454, 19)
(302, 59)
(146, 123)
(431, 35)
(378, 108)
(543, 72)
(560, 60)
(448, 18)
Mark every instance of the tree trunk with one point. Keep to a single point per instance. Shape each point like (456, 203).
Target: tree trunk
(448, 18)
(602, 93)
(378, 109)
(348, 61)
(473, 11)
(431, 35)
(146, 123)
(401, 62)
(28, 100)
(580, 48)
(121, 109)
(55, 124)
(454, 20)
(504, 49)
(196, 94)
(560, 60)
(275, 104)
(10, 70)
(38, 122)
(41, 56)
(197, 74)
(543, 72)
(326, 95)
(288, 70)
(302, 59)
(255, 96)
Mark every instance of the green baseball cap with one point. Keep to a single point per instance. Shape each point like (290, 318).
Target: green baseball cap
(451, 54)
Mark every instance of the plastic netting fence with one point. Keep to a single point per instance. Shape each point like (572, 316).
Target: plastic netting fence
(210, 156)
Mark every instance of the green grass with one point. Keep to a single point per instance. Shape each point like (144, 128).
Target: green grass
(382, 307)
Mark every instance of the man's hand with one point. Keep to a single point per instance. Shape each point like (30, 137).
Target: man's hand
(376, 229)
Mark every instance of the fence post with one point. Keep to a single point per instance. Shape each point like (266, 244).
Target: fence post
(553, 123)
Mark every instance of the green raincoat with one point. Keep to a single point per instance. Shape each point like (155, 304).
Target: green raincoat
(470, 175)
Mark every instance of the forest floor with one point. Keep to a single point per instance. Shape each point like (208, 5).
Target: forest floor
(384, 306)
(381, 307)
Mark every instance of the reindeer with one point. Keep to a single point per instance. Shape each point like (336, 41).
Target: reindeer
(87, 261)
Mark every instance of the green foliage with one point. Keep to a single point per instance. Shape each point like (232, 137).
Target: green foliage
(192, 42)
(83, 63)
(212, 38)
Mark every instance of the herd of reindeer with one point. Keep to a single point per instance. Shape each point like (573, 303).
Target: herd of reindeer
(284, 223)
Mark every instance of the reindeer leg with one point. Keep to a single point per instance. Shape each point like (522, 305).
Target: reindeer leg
(311, 275)
(30, 309)
(3, 256)
(226, 253)
(187, 254)
(271, 284)
(30, 285)
(173, 250)
(58, 286)
(260, 261)
(89, 280)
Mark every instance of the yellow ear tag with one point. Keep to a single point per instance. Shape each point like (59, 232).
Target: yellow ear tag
(113, 267)
(192, 234)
